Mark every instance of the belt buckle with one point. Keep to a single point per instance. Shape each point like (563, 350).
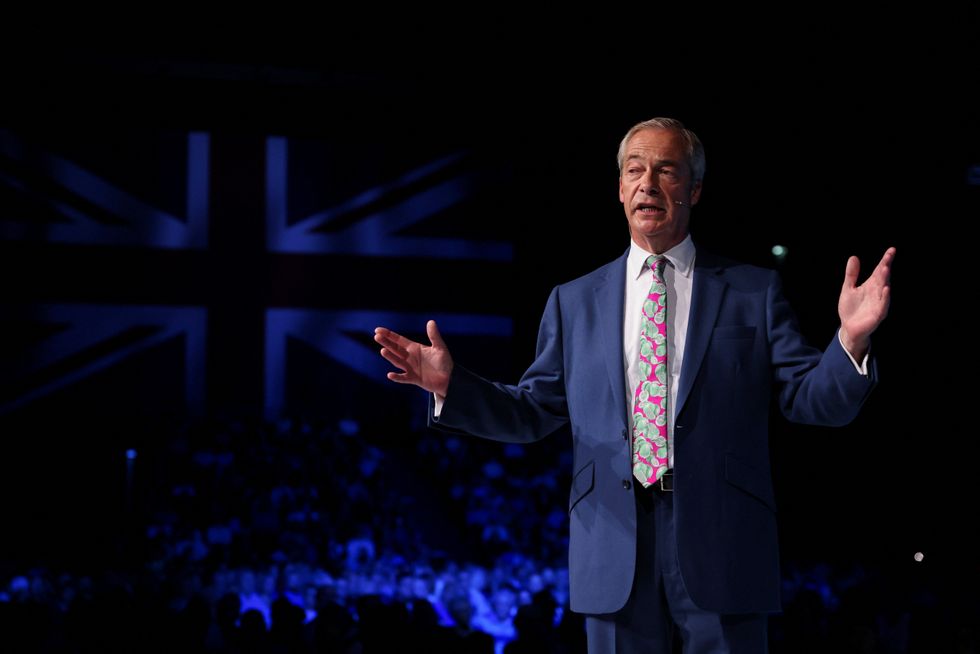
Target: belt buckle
(667, 477)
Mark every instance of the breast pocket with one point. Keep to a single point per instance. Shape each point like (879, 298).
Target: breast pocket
(733, 332)
(731, 347)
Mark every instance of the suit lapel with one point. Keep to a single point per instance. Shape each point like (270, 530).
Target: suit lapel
(706, 297)
(609, 298)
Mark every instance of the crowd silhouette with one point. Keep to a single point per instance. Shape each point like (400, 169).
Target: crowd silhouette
(307, 536)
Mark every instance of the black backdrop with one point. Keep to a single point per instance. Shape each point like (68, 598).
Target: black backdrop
(824, 141)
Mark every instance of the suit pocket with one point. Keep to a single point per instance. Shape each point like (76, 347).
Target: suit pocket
(749, 480)
(734, 331)
(582, 484)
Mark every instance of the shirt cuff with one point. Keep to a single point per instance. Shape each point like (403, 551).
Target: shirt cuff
(439, 402)
(863, 367)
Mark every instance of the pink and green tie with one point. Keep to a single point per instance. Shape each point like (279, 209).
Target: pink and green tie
(650, 397)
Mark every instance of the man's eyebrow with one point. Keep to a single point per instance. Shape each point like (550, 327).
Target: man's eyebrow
(659, 162)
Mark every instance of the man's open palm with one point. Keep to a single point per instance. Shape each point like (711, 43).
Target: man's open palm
(862, 308)
(427, 366)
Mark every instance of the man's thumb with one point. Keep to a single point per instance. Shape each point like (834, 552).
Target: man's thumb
(851, 271)
(434, 336)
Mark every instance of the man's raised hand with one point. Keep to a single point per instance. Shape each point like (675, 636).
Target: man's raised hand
(426, 366)
(862, 308)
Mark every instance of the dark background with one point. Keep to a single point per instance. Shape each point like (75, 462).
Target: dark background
(830, 136)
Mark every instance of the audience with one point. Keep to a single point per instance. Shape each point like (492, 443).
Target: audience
(307, 537)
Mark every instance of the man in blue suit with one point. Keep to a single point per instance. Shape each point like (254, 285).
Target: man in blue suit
(694, 549)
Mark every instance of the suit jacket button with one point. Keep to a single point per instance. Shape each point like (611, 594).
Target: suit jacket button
(624, 433)
(626, 484)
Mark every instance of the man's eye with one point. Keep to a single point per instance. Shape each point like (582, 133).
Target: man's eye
(633, 171)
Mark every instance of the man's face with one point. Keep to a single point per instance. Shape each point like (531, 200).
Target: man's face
(655, 176)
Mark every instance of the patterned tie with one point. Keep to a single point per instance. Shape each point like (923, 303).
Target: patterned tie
(650, 397)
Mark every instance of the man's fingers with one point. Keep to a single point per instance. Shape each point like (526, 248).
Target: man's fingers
(884, 268)
(434, 336)
(404, 377)
(389, 339)
(392, 336)
(394, 358)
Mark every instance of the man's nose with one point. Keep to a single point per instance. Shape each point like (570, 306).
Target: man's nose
(649, 184)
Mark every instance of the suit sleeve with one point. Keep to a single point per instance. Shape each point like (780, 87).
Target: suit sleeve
(528, 411)
(813, 387)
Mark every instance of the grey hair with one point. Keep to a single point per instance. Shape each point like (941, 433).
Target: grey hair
(695, 150)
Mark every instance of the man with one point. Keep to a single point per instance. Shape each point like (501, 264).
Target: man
(665, 367)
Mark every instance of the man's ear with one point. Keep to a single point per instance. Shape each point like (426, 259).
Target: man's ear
(695, 192)
(621, 198)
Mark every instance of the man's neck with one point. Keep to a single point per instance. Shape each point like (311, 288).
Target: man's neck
(658, 245)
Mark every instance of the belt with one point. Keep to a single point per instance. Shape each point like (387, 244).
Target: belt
(665, 483)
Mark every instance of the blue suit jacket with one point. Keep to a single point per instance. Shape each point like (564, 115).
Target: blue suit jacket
(742, 344)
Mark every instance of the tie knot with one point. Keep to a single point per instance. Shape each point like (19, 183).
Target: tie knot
(657, 263)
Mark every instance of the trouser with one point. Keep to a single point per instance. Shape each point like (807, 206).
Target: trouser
(660, 610)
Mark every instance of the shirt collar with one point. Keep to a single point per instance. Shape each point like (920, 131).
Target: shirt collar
(681, 257)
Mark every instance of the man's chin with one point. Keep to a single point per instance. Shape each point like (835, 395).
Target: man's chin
(650, 227)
